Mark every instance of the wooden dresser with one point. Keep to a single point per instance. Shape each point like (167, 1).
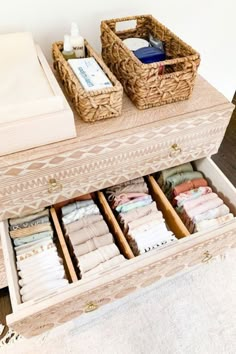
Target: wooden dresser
(103, 154)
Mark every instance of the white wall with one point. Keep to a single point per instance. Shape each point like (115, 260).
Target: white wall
(207, 25)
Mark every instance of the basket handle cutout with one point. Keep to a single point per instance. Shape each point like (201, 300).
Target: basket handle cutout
(125, 25)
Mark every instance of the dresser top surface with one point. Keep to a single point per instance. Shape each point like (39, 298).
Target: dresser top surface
(204, 98)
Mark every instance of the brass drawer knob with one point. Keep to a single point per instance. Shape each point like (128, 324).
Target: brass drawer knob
(54, 186)
(91, 306)
(175, 149)
(207, 257)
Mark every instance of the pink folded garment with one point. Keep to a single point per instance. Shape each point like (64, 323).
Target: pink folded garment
(137, 213)
(190, 204)
(126, 197)
(187, 186)
(180, 199)
(208, 215)
(202, 208)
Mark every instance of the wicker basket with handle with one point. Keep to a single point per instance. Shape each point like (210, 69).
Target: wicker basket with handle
(143, 83)
(90, 105)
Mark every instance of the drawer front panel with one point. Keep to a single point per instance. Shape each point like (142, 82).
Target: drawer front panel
(27, 187)
(137, 273)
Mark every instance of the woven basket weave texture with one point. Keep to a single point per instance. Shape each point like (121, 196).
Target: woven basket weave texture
(142, 83)
(90, 105)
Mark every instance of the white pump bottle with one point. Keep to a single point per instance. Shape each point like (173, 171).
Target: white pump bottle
(77, 41)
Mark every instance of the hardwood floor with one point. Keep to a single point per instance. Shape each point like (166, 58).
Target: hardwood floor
(5, 309)
(226, 157)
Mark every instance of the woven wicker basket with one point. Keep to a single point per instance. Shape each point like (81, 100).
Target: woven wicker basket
(142, 83)
(90, 105)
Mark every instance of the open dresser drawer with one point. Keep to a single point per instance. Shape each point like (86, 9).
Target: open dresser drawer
(81, 296)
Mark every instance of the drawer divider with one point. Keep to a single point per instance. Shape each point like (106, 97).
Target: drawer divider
(172, 218)
(68, 261)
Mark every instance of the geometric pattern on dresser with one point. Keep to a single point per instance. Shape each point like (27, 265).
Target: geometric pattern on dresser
(106, 161)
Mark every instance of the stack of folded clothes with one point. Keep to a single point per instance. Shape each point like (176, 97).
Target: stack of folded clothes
(40, 269)
(93, 244)
(196, 204)
(141, 222)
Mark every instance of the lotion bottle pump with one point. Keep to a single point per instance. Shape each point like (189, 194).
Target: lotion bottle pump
(77, 41)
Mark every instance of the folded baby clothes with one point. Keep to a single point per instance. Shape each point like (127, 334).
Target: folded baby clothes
(138, 216)
(155, 215)
(115, 191)
(48, 271)
(45, 266)
(126, 197)
(143, 241)
(136, 181)
(45, 289)
(182, 198)
(92, 259)
(177, 179)
(69, 208)
(31, 245)
(28, 218)
(202, 208)
(212, 213)
(42, 220)
(96, 229)
(136, 203)
(186, 167)
(28, 239)
(163, 240)
(80, 213)
(28, 284)
(31, 230)
(126, 218)
(23, 254)
(115, 261)
(38, 259)
(84, 222)
(203, 199)
(206, 224)
(93, 244)
(39, 267)
(153, 224)
(187, 186)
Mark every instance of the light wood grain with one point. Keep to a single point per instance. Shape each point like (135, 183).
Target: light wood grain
(114, 227)
(66, 256)
(172, 219)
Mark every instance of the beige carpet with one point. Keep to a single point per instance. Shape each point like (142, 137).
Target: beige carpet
(192, 313)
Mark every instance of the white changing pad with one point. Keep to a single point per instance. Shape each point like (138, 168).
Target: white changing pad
(24, 88)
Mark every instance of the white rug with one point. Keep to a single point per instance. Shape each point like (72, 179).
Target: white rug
(192, 313)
